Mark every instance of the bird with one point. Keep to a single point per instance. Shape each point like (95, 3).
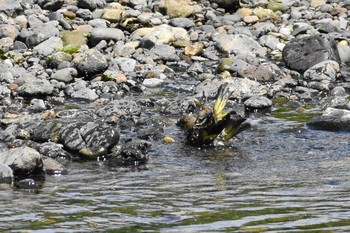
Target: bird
(212, 123)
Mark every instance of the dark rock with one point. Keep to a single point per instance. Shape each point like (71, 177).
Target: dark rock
(227, 4)
(131, 153)
(51, 5)
(22, 160)
(91, 139)
(331, 119)
(91, 4)
(303, 53)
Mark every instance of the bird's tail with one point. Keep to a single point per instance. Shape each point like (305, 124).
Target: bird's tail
(222, 97)
(235, 125)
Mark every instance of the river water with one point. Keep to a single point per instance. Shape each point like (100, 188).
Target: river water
(277, 177)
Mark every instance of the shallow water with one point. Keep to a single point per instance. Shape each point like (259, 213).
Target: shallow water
(278, 177)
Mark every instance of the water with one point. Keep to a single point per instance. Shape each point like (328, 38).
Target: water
(278, 177)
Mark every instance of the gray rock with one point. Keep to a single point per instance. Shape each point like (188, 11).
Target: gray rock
(91, 4)
(325, 70)
(90, 62)
(85, 14)
(138, 2)
(332, 119)
(344, 53)
(37, 105)
(65, 75)
(259, 73)
(85, 94)
(152, 82)
(238, 44)
(120, 108)
(181, 22)
(163, 52)
(10, 7)
(55, 59)
(125, 64)
(42, 32)
(107, 34)
(53, 167)
(241, 88)
(30, 85)
(301, 54)
(22, 160)
(48, 46)
(6, 174)
(257, 102)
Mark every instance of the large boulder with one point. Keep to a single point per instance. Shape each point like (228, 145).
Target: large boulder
(22, 160)
(90, 139)
(302, 53)
(332, 119)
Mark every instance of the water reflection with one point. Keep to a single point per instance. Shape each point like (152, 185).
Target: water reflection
(276, 178)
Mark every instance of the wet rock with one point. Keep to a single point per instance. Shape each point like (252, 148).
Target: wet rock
(107, 34)
(53, 167)
(49, 46)
(65, 75)
(301, 54)
(257, 102)
(331, 119)
(238, 44)
(6, 174)
(90, 139)
(133, 152)
(22, 160)
(90, 62)
(50, 149)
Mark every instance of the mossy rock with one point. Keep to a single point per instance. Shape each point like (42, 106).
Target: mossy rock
(57, 58)
(74, 38)
(276, 7)
(225, 63)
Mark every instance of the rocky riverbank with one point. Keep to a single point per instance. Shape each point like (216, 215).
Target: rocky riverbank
(100, 79)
